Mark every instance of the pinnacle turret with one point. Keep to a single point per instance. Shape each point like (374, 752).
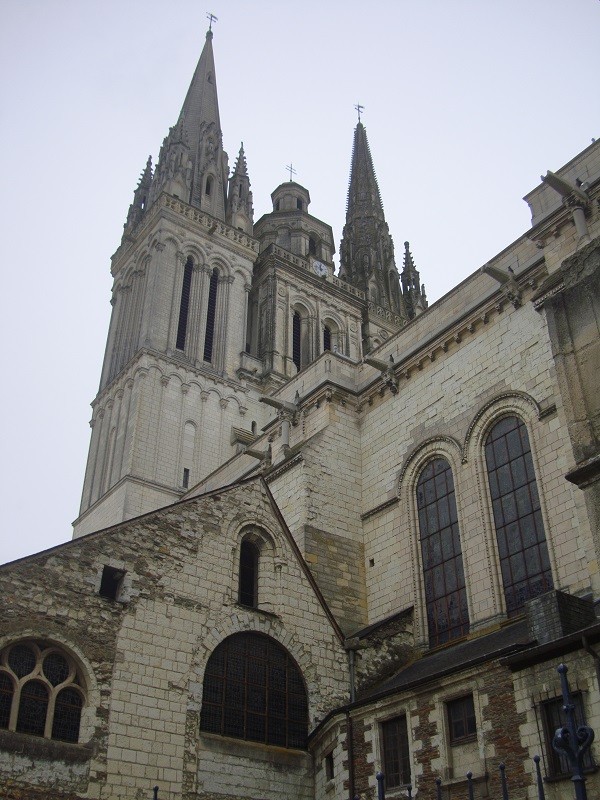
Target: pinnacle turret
(413, 292)
(140, 199)
(240, 213)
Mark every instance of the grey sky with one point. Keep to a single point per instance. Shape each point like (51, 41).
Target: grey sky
(466, 103)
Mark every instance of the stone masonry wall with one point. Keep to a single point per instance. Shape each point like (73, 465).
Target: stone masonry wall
(143, 656)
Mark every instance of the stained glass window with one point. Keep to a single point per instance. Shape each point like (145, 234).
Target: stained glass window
(522, 547)
(443, 574)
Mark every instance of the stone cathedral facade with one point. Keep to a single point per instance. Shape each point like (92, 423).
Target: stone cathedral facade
(326, 530)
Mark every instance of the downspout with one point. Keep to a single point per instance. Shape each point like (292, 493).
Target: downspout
(350, 737)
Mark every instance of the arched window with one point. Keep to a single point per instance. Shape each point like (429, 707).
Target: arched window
(445, 594)
(184, 306)
(524, 560)
(40, 691)
(312, 246)
(326, 338)
(248, 575)
(296, 340)
(208, 186)
(210, 315)
(254, 690)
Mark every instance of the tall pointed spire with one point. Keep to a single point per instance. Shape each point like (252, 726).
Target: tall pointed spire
(367, 250)
(192, 163)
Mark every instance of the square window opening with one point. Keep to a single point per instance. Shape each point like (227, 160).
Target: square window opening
(110, 584)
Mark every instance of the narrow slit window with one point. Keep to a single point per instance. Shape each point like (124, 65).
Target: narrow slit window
(210, 316)
(184, 306)
(296, 335)
(186, 477)
(248, 577)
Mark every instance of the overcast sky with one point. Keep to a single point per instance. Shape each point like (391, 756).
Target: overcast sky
(466, 103)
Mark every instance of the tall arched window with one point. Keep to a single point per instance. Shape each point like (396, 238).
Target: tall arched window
(184, 306)
(40, 691)
(297, 340)
(248, 575)
(254, 690)
(210, 315)
(326, 338)
(443, 574)
(522, 547)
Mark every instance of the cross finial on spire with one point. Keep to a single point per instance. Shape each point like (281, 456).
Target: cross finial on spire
(291, 169)
(359, 108)
(211, 18)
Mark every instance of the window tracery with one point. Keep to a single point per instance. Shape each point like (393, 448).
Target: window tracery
(41, 691)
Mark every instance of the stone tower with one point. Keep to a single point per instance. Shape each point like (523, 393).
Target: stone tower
(170, 400)
(367, 253)
(212, 312)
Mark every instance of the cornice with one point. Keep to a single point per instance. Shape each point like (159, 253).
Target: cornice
(218, 231)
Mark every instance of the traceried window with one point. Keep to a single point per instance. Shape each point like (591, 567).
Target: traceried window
(461, 719)
(40, 691)
(184, 306)
(396, 755)
(443, 574)
(553, 717)
(522, 547)
(210, 315)
(254, 690)
(248, 576)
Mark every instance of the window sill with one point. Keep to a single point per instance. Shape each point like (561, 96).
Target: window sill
(464, 740)
(567, 776)
(47, 749)
(257, 751)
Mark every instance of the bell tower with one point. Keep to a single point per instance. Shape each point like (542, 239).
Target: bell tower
(169, 393)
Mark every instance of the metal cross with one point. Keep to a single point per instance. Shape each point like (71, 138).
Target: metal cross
(291, 169)
(359, 108)
(211, 18)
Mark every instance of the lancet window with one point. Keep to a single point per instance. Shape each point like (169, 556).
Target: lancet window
(522, 548)
(443, 573)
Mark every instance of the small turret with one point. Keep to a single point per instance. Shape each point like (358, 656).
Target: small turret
(240, 213)
(413, 292)
(140, 200)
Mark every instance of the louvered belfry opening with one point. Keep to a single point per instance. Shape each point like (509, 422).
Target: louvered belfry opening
(184, 306)
(210, 316)
(296, 333)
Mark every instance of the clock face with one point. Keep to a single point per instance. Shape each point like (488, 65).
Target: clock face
(319, 268)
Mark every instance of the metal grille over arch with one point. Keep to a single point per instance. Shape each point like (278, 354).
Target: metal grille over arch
(254, 690)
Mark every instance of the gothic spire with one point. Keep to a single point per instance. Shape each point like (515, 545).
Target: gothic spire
(192, 163)
(367, 250)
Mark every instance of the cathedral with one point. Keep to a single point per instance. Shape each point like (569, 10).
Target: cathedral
(331, 539)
